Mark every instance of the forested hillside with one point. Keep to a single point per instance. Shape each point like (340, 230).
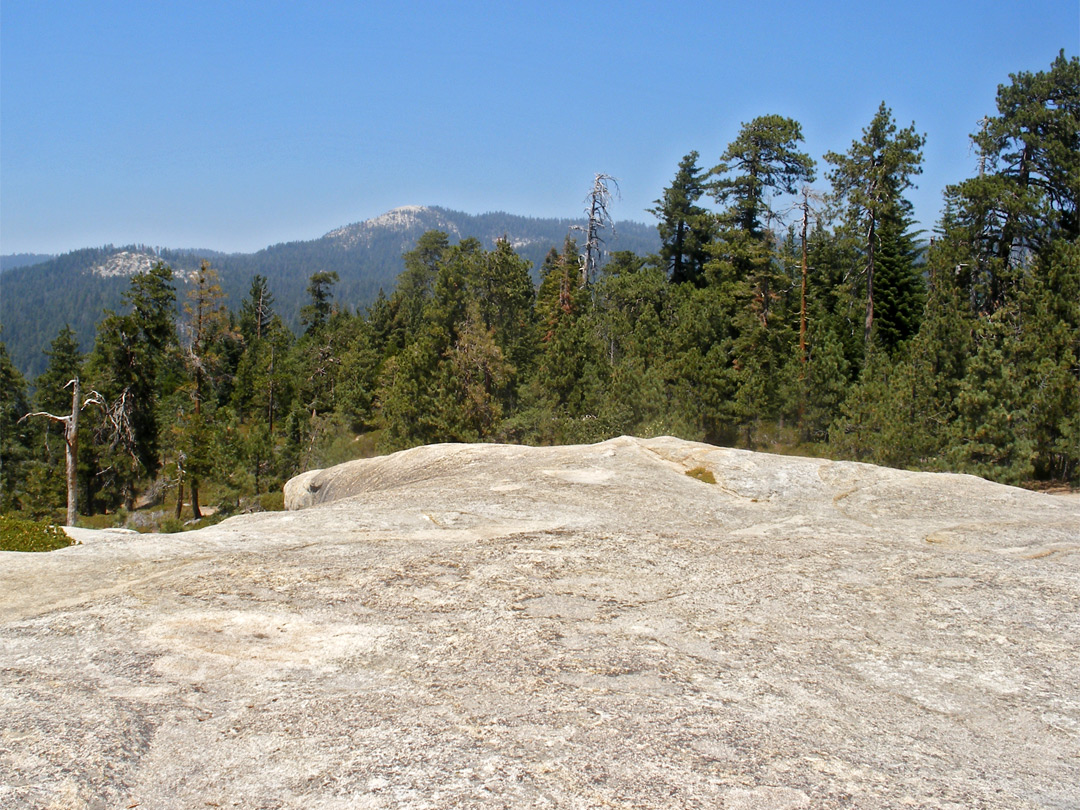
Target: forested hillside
(75, 289)
(788, 307)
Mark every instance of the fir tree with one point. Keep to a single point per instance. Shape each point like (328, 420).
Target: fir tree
(685, 227)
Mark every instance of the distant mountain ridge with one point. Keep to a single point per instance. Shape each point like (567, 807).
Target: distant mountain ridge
(38, 298)
(12, 260)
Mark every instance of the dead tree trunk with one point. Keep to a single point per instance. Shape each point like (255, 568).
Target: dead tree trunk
(599, 204)
(196, 512)
(802, 299)
(71, 455)
(71, 445)
(179, 486)
(871, 241)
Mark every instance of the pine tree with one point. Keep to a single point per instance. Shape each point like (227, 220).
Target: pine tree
(870, 180)
(408, 395)
(264, 392)
(938, 356)
(1047, 355)
(256, 310)
(864, 429)
(825, 381)
(504, 293)
(991, 433)
(561, 310)
(15, 435)
(700, 369)
(415, 287)
(65, 362)
(745, 266)
(628, 320)
(473, 378)
(762, 161)
(318, 353)
(206, 333)
(360, 364)
(316, 315)
(1026, 192)
(131, 351)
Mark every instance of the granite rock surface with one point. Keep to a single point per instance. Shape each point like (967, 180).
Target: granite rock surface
(496, 626)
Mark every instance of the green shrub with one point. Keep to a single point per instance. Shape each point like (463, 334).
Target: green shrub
(272, 501)
(204, 521)
(29, 535)
(105, 520)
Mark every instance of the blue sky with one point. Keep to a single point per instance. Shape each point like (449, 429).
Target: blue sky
(232, 125)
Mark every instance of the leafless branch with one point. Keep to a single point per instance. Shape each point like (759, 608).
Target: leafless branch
(52, 416)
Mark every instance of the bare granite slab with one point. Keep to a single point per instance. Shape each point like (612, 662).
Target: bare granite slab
(498, 627)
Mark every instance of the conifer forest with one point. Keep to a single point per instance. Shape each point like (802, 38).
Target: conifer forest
(793, 307)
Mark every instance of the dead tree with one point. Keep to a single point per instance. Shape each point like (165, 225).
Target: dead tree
(598, 209)
(71, 443)
(804, 206)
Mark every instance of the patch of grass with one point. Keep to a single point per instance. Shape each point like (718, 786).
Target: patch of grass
(702, 474)
(170, 525)
(17, 534)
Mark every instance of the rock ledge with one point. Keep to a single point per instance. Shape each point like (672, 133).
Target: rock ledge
(500, 626)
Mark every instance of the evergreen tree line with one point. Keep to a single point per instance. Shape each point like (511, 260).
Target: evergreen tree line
(775, 315)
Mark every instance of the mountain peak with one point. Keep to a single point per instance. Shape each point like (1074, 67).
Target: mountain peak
(406, 219)
(124, 263)
(403, 216)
